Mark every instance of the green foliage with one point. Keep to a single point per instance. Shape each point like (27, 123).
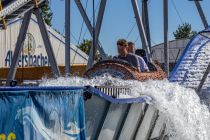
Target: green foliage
(184, 31)
(47, 13)
(85, 46)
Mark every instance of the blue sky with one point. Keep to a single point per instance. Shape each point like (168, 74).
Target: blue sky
(119, 19)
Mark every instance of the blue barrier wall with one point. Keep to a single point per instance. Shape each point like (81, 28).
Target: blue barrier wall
(42, 114)
(47, 113)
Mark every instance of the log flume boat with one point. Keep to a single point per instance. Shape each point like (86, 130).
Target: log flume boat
(118, 118)
(124, 70)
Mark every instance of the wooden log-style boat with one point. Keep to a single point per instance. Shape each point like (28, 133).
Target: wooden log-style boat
(124, 70)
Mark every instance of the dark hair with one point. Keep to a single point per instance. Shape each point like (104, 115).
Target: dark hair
(122, 42)
(140, 52)
(131, 43)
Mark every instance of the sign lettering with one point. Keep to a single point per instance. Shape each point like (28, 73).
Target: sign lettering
(28, 60)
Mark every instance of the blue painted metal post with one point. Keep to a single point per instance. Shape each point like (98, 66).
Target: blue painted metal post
(201, 13)
(89, 26)
(166, 46)
(67, 38)
(18, 47)
(141, 29)
(47, 43)
(145, 20)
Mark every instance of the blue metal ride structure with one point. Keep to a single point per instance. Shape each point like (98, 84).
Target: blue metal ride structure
(192, 68)
(13, 9)
(6, 2)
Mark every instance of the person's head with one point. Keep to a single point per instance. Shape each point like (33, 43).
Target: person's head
(140, 52)
(131, 47)
(122, 45)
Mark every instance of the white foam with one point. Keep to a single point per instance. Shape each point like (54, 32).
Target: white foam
(187, 118)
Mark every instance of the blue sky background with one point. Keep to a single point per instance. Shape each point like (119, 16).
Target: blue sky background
(119, 20)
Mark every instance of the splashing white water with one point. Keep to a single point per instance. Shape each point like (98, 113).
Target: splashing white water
(187, 118)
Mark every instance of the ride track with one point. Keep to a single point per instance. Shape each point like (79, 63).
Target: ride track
(12, 9)
(192, 69)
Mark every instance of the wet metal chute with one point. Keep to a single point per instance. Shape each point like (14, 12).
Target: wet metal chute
(192, 69)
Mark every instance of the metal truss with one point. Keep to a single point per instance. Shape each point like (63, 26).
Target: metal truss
(13, 9)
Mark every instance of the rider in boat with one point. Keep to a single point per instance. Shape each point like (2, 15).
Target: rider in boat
(123, 54)
(123, 51)
(131, 49)
(142, 53)
(125, 66)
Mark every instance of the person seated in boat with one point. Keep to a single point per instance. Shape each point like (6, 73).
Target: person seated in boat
(142, 53)
(142, 64)
(122, 45)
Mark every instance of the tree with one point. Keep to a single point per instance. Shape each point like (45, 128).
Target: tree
(85, 46)
(47, 13)
(184, 31)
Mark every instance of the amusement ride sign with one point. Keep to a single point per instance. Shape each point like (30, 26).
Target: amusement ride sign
(28, 56)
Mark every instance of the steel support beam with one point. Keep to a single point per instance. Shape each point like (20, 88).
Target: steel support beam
(91, 54)
(100, 17)
(89, 26)
(93, 47)
(84, 16)
(145, 20)
(203, 79)
(141, 29)
(18, 47)
(67, 37)
(97, 32)
(47, 44)
(201, 13)
(166, 46)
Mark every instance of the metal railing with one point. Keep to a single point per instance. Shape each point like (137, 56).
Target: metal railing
(114, 91)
